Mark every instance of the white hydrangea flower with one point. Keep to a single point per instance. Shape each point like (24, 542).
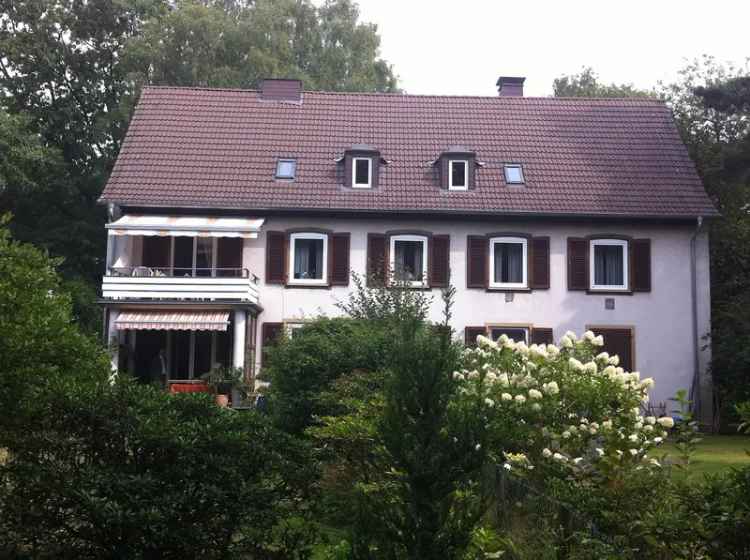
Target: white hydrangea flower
(655, 462)
(666, 422)
(575, 364)
(588, 335)
(633, 437)
(503, 379)
(552, 350)
(560, 457)
(633, 452)
(478, 446)
(571, 335)
(489, 402)
(638, 425)
(534, 394)
(551, 388)
(614, 360)
(592, 430)
(458, 376)
(658, 440)
(590, 368)
(506, 397)
(522, 348)
(603, 356)
(599, 451)
(502, 339)
(536, 407)
(546, 453)
(473, 375)
(609, 371)
(648, 428)
(648, 383)
(566, 434)
(607, 424)
(598, 340)
(520, 399)
(650, 420)
(573, 429)
(566, 342)
(577, 460)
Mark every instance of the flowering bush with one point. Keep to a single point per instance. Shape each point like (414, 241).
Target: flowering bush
(569, 409)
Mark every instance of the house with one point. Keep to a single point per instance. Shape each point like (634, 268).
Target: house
(237, 215)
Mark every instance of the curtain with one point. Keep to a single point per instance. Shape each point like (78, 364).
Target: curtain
(608, 265)
(308, 259)
(409, 260)
(508, 263)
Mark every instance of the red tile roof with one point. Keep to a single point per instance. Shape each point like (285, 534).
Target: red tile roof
(211, 148)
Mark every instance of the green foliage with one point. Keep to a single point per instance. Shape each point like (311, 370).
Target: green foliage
(711, 107)
(39, 342)
(301, 368)
(686, 432)
(129, 471)
(586, 84)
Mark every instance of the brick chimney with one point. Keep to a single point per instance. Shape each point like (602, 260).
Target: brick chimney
(276, 89)
(509, 86)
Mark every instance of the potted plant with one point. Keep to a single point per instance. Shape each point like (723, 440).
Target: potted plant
(222, 380)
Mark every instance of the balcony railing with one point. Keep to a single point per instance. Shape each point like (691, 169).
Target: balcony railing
(174, 283)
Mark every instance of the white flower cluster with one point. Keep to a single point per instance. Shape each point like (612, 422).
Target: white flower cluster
(520, 381)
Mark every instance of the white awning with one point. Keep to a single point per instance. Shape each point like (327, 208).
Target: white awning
(173, 320)
(186, 226)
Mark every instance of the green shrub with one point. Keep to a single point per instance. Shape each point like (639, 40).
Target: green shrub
(129, 471)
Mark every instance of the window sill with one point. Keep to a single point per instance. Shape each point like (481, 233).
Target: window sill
(610, 291)
(503, 289)
(317, 285)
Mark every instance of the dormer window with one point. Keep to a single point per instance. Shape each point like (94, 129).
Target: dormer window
(361, 172)
(458, 175)
(456, 167)
(286, 168)
(362, 164)
(514, 174)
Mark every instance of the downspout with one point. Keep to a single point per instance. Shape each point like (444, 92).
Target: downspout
(695, 389)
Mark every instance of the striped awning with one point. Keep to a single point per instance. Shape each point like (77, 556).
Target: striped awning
(173, 320)
(185, 226)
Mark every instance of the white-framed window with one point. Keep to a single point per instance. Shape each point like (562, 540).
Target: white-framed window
(458, 175)
(508, 262)
(293, 329)
(608, 264)
(409, 259)
(361, 172)
(308, 257)
(518, 334)
(514, 174)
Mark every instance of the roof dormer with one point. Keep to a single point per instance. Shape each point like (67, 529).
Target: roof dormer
(456, 167)
(361, 167)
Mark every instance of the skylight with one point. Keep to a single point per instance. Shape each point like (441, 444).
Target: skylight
(286, 168)
(514, 175)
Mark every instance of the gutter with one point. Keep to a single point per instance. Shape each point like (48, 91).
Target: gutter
(695, 389)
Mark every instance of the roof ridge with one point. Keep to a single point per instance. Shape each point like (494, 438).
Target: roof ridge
(648, 100)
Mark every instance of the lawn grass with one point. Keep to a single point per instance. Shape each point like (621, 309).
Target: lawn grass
(714, 454)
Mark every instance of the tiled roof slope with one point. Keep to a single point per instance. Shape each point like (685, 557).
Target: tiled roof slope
(212, 148)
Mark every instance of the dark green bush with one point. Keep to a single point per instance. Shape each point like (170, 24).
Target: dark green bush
(301, 368)
(128, 471)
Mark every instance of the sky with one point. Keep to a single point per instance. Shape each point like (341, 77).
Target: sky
(461, 47)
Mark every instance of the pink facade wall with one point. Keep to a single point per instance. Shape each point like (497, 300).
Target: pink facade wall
(662, 318)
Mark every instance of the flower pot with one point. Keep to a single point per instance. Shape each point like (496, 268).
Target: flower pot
(222, 400)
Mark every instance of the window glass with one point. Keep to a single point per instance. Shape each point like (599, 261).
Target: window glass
(609, 265)
(204, 256)
(285, 168)
(308, 259)
(516, 333)
(183, 256)
(513, 174)
(362, 171)
(203, 340)
(409, 260)
(458, 174)
(508, 263)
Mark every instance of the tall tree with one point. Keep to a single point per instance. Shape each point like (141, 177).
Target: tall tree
(586, 84)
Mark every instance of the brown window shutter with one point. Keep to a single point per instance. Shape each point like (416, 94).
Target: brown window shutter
(477, 261)
(440, 261)
(376, 254)
(338, 273)
(539, 263)
(270, 333)
(640, 265)
(541, 335)
(276, 248)
(578, 263)
(618, 341)
(471, 334)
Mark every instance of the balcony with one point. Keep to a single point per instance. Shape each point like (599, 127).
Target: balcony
(150, 283)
